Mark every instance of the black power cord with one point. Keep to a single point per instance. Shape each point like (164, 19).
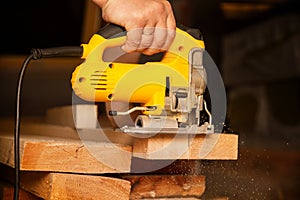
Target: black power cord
(35, 54)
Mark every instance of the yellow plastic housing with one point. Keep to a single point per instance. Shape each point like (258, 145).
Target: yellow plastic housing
(100, 81)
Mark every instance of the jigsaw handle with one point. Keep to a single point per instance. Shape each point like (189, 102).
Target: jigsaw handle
(196, 33)
(111, 30)
(112, 35)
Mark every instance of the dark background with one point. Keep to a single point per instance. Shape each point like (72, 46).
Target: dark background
(255, 44)
(33, 23)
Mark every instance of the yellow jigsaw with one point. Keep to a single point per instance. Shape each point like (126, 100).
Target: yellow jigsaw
(168, 93)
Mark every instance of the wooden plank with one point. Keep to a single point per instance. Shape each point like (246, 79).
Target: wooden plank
(43, 153)
(48, 185)
(214, 147)
(38, 126)
(162, 186)
(170, 146)
(76, 116)
(176, 198)
(159, 147)
(74, 186)
(209, 147)
(186, 198)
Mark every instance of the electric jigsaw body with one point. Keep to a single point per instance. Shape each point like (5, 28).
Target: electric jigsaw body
(169, 93)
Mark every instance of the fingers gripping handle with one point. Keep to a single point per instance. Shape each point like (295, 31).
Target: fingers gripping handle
(112, 35)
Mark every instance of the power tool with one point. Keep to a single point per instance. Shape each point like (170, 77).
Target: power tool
(168, 93)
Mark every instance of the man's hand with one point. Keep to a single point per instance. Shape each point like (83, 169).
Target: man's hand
(150, 24)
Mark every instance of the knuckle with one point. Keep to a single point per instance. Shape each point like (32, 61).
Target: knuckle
(156, 8)
(167, 4)
(139, 16)
(159, 8)
(139, 19)
(173, 26)
(132, 43)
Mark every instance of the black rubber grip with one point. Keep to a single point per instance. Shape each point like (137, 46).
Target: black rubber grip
(196, 33)
(111, 31)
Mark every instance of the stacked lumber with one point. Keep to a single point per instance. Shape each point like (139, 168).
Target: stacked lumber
(61, 161)
(53, 185)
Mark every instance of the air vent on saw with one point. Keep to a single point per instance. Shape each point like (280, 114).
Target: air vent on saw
(99, 80)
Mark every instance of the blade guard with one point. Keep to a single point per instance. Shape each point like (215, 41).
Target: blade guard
(99, 80)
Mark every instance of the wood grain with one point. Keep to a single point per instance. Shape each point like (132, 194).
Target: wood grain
(209, 147)
(171, 186)
(44, 153)
(170, 146)
(74, 186)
